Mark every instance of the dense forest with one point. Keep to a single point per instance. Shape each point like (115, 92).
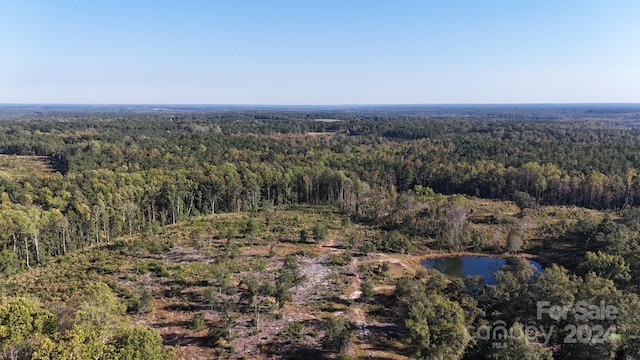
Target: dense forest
(78, 182)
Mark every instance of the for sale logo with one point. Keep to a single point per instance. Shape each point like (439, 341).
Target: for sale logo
(581, 310)
(584, 329)
(589, 332)
(499, 334)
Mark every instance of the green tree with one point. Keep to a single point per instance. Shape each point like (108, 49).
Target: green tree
(20, 321)
(556, 286)
(10, 263)
(319, 232)
(288, 276)
(518, 347)
(367, 291)
(255, 295)
(516, 237)
(511, 296)
(524, 201)
(99, 308)
(140, 343)
(628, 327)
(605, 265)
(337, 334)
(77, 343)
(437, 329)
(304, 236)
(408, 292)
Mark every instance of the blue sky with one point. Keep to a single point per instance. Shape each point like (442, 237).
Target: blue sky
(319, 51)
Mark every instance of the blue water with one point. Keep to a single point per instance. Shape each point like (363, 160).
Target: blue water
(461, 266)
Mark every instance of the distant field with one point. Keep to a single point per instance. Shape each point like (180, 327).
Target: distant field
(321, 133)
(21, 166)
(329, 120)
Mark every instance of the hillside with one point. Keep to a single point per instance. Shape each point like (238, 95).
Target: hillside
(215, 286)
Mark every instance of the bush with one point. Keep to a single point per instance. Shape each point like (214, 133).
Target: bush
(10, 263)
(396, 242)
(134, 305)
(367, 291)
(295, 329)
(21, 319)
(156, 267)
(368, 247)
(319, 232)
(141, 343)
(197, 323)
(336, 260)
(142, 305)
(337, 334)
(304, 236)
(215, 334)
(152, 245)
(524, 200)
(251, 227)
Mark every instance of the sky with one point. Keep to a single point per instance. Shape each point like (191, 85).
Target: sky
(319, 52)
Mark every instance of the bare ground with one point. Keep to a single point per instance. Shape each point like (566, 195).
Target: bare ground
(172, 314)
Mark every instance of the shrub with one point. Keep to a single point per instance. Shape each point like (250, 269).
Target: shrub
(295, 329)
(10, 263)
(319, 232)
(367, 291)
(197, 323)
(156, 267)
(337, 334)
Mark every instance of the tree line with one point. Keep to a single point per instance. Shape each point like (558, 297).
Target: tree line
(120, 173)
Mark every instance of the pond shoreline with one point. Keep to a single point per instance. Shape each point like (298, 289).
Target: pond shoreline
(437, 254)
(483, 266)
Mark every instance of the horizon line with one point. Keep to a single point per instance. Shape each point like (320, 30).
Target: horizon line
(311, 105)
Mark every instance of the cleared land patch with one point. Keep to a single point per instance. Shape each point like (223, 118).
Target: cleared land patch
(22, 166)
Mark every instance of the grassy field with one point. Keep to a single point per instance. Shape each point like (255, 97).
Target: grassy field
(22, 166)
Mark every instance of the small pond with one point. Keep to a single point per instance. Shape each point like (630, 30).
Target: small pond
(460, 266)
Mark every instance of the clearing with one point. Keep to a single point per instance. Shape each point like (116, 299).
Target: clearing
(23, 166)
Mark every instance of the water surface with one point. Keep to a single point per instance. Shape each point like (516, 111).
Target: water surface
(461, 266)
